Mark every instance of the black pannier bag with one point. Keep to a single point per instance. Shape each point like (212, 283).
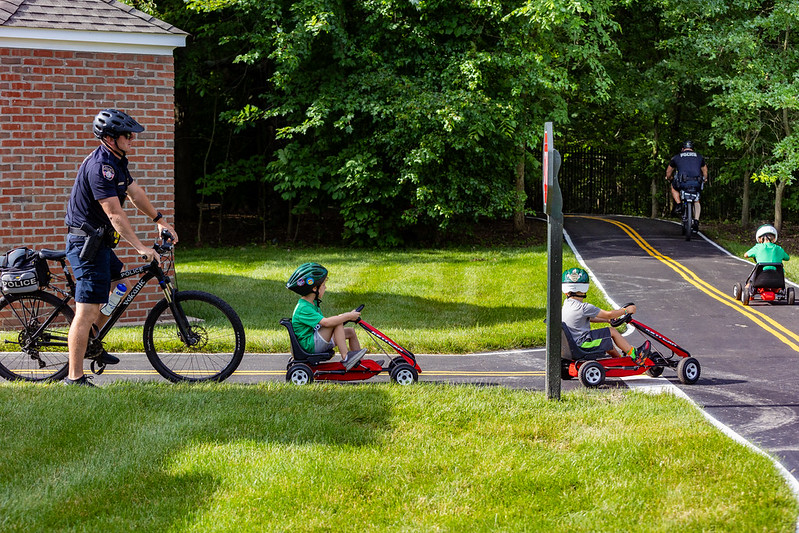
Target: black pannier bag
(22, 270)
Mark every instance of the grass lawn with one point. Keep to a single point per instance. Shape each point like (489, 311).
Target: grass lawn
(430, 301)
(275, 457)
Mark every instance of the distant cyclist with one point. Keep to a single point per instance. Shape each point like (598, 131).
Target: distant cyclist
(691, 173)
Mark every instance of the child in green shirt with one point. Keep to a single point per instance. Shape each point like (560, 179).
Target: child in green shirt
(315, 332)
(766, 250)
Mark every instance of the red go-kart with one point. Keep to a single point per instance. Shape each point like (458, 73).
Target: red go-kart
(305, 367)
(766, 282)
(592, 366)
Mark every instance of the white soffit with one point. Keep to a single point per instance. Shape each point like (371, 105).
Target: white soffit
(91, 41)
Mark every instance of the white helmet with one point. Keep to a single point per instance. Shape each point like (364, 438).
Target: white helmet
(765, 230)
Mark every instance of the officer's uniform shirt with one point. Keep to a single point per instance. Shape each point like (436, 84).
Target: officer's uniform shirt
(100, 176)
(688, 164)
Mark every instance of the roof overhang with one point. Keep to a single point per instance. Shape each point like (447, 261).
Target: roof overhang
(91, 41)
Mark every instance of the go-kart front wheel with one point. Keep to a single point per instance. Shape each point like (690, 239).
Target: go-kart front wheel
(591, 374)
(688, 370)
(300, 374)
(404, 374)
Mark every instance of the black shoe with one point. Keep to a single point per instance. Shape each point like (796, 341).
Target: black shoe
(106, 358)
(677, 211)
(695, 226)
(82, 381)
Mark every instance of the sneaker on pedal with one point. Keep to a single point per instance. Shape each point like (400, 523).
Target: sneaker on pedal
(695, 226)
(642, 352)
(353, 358)
(82, 381)
(104, 358)
(677, 211)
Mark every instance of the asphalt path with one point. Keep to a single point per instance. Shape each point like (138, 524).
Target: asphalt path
(683, 289)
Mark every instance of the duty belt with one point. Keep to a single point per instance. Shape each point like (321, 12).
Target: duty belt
(72, 230)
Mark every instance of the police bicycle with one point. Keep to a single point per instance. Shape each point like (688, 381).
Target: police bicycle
(690, 189)
(188, 335)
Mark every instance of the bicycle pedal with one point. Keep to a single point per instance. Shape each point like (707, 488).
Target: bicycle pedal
(98, 367)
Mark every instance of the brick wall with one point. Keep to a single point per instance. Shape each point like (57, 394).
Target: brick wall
(48, 100)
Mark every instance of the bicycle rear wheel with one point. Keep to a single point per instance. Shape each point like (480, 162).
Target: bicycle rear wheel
(215, 343)
(688, 220)
(41, 359)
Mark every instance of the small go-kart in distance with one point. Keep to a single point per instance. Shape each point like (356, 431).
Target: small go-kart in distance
(766, 284)
(593, 366)
(305, 367)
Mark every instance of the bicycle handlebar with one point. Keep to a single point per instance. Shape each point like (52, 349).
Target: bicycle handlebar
(165, 246)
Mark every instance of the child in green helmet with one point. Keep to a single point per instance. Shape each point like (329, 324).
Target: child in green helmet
(315, 332)
(766, 250)
(577, 315)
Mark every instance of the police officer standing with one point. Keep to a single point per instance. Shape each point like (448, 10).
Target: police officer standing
(95, 221)
(690, 166)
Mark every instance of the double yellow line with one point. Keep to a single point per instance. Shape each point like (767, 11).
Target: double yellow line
(767, 323)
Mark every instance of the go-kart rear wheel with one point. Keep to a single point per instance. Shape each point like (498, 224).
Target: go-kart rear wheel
(745, 296)
(791, 296)
(591, 374)
(736, 291)
(688, 370)
(300, 374)
(655, 371)
(404, 374)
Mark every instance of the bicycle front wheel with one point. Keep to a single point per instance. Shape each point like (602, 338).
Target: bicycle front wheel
(213, 347)
(34, 353)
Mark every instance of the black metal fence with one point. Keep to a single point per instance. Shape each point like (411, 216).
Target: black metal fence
(604, 182)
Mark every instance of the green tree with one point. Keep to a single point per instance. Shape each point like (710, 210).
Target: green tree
(752, 47)
(411, 114)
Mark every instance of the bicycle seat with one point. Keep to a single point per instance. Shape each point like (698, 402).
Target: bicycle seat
(297, 353)
(52, 255)
(578, 353)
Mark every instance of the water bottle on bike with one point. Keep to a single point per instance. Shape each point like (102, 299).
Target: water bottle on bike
(113, 299)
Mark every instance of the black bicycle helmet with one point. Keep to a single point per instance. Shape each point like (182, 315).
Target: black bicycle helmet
(114, 123)
(688, 145)
(307, 279)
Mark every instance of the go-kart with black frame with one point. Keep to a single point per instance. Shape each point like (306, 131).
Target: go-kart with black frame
(305, 367)
(766, 282)
(593, 366)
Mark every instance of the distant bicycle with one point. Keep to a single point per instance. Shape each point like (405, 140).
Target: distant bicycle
(690, 190)
(188, 335)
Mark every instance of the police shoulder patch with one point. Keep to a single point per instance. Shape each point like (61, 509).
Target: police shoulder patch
(108, 172)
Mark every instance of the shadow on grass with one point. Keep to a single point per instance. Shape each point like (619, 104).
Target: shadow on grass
(262, 303)
(144, 456)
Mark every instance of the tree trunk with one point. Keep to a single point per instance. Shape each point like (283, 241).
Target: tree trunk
(519, 225)
(653, 186)
(745, 199)
(778, 204)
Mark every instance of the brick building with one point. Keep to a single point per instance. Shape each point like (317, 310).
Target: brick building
(61, 61)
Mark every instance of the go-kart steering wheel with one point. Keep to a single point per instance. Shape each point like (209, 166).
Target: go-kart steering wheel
(616, 322)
